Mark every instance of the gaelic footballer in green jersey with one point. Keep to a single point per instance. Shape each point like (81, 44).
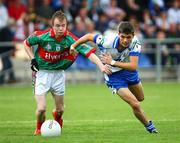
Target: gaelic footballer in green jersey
(49, 55)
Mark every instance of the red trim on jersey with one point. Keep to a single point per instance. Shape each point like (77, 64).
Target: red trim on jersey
(27, 43)
(55, 56)
(90, 52)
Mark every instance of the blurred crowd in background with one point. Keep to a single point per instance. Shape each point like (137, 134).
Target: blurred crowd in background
(158, 19)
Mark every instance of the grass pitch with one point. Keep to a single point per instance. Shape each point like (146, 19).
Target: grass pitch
(93, 115)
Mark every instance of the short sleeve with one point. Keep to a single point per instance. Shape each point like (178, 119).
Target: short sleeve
(33, 39)
(136, 50)
(98, 39)
(85, 50)
(107, 41)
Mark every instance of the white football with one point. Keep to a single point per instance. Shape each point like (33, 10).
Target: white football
(50, 128)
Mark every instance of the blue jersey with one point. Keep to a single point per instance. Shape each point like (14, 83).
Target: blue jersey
(110, 43)
(120, 77)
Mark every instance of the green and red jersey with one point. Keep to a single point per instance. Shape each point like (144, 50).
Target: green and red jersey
(53, 53)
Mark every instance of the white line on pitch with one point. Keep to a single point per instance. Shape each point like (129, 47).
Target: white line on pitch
(87, 121)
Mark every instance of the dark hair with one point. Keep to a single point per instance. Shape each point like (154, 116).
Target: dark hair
(126, 27)
(60, 15)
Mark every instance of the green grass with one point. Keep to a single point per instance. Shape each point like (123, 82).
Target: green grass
(92, 115)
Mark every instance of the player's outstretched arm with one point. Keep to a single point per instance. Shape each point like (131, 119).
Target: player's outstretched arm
(104, 68)
(84, 39)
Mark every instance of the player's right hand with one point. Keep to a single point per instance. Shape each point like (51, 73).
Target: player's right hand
(34, 65)
(72, 51)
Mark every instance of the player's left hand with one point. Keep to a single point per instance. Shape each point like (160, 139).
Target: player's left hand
(34, 65)
(106, 58)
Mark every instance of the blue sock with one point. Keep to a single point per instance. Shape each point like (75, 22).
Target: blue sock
(151, 128)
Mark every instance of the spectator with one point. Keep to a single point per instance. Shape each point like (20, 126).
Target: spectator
(44, 13)
(135, 7)
(104, 4)
(139, 34)
(56, 4)
(66, 7)
(112, 11)
(80, 30)
(94, 11)
(102, 23)
(155, 7)
(162, 22)
(176, 55)
(174, 12)
(16, 8)
(161, 35)
(5, 51)
(174, 18)
(24, 27)
(83, 17)
(149, 27)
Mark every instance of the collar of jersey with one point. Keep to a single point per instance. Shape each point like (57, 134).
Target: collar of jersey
(52, 34)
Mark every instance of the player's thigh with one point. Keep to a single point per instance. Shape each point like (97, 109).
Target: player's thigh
(137, 91)
(127, 96)
(58, 83)
(59, 102)
(41, 82)
(41, 102)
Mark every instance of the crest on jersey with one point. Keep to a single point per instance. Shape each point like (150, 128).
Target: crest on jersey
(137, 48)
(100, 40)
(58, 47)
(48, 47)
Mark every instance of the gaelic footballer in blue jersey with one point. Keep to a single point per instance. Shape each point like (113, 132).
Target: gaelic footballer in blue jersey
(121, 51)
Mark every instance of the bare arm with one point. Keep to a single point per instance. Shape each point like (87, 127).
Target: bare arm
(34, 65)
(131, 65)
(84, 39)
(29, 51)
(104, 68)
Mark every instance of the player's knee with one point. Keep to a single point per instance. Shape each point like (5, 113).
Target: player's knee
(135, 105)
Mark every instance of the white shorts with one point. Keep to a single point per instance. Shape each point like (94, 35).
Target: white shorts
(45, 81)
